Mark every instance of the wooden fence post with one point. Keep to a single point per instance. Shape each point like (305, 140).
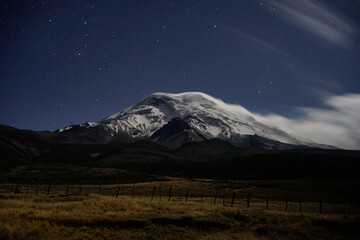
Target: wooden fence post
(224, 197)
(233, 198)
(37, 187)
(215, 196)
(187, 194)
(320, 206)
(117, 192)
(160, 191)
(133, 191)
(152, 194)
(267, 203)
(248, 200)
(16, 188)
(48, 190)
(170, 193)
(286, 203)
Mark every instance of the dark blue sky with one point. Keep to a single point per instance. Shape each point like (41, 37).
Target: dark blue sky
(65, 62)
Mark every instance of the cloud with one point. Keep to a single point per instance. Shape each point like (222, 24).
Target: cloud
(316, 19)
(338, 125)
(248, 37)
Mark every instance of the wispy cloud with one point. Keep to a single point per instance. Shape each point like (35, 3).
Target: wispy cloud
(316, 19)
(338, 125)
(248, 37)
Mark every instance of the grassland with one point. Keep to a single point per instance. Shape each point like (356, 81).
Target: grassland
(94, 216)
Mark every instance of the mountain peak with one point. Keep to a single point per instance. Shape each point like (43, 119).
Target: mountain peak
(197, 115)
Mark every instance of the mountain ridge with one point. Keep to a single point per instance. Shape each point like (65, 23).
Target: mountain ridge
(206, 116)
(27, 155)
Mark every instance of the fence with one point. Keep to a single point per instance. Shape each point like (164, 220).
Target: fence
(210, 194)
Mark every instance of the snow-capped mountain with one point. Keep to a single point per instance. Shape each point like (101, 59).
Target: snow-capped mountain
(201, 116)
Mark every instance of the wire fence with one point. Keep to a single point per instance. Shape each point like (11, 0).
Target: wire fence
(207, 194)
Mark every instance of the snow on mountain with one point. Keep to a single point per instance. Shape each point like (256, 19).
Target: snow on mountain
(210, 117)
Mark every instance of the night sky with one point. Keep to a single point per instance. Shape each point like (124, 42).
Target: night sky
(68, 62)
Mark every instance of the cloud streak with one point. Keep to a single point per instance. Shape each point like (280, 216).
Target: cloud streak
(316, 19)
(248, 37)
(338, 125)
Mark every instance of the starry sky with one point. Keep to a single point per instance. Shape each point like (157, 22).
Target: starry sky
(68, 62)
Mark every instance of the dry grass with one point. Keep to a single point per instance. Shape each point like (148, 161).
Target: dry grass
(104, 217)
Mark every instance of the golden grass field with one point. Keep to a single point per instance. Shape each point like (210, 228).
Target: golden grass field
(93, 216)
